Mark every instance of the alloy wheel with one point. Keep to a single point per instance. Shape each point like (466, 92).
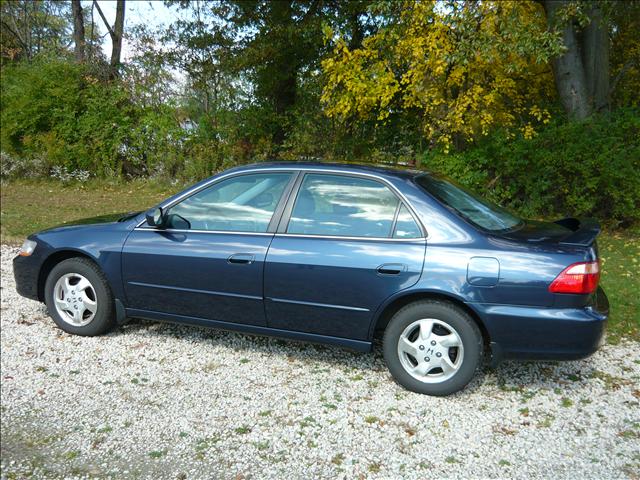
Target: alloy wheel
(75, 299)
(430, 350)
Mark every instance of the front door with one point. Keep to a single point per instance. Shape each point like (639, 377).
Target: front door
(350, 243)
(209, 260)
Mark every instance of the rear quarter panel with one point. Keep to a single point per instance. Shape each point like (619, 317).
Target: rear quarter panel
(525, 271)
(525, 268)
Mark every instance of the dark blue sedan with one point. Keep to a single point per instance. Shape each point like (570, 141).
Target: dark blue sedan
(338, 254)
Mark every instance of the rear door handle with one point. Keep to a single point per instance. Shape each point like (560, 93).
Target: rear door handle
(391, 268)
(242, 258)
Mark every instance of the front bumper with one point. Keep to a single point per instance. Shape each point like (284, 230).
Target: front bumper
(531, 333)
(26, 271)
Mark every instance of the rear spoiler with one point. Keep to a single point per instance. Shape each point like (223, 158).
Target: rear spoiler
(584, 231)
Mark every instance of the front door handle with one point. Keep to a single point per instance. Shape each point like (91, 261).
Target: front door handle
(242, 258)
(391, 268)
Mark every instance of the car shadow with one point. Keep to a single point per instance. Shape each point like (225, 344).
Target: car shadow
(519, 377)
(243, 342)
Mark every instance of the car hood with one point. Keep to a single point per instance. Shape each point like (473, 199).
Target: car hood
(107, 218)
(100, 219)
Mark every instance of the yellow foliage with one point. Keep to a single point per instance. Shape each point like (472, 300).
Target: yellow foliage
(466, 69)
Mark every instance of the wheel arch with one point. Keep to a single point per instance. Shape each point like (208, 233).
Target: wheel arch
(54, 259)
(388, 310)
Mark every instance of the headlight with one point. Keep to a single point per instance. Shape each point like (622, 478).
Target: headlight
(27, 248)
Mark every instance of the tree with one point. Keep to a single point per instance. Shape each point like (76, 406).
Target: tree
(115, 32)
(78, 31)
(601, 48)
(273, 49)
(202, 49)
(464, 67)
(28, 28)
(286, 39)
(581, 72)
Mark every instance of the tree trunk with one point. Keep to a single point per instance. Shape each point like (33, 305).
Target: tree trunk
(116, 39)
(78, 30)
(284, 72)
(568, 68)
(357, 34)
(595, 58)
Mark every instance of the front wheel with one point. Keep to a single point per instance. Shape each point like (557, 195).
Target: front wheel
(79, 299)
(432, 347)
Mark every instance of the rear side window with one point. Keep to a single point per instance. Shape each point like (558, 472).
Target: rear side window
(335, 205)
(406, 226)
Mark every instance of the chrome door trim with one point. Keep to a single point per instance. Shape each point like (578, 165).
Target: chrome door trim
(419, 240)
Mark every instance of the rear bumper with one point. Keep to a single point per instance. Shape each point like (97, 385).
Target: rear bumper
(530, 333)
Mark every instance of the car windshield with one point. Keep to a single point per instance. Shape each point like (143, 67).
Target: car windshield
(468, 205)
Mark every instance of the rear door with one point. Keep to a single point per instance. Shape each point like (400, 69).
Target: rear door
(344, 245)
(209, 261)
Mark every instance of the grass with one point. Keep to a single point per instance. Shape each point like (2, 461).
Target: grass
(620, 257)
(32, 205)
(566, 402)
(157, 453)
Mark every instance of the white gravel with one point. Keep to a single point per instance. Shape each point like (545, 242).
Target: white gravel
(160, 401)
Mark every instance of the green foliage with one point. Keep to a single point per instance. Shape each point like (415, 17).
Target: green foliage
(58, 112)
(625, 52)
(567, 169)
(49, 108)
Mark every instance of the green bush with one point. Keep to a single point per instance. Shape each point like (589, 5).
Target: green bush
(58, 113)
(567, 169)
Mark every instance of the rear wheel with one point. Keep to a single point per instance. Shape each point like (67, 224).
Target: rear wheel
(79, 299)
(432, 347)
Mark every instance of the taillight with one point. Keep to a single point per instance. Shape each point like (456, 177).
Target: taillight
(579, 278)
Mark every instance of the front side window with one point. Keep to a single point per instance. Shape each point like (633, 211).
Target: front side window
(477, 210)
(334, 205)
(244, 203)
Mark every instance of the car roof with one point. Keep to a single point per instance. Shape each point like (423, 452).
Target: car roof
(381, 170)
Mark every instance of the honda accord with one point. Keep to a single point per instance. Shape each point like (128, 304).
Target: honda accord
(338, 254)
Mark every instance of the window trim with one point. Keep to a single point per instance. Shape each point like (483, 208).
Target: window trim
(291, 191)
(395, 219)
(293, 197)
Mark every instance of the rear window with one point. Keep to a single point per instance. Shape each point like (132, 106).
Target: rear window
(478, 211)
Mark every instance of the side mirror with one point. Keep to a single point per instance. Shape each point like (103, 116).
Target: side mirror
(155, 218)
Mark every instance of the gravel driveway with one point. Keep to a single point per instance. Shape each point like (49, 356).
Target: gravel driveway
(160, 401)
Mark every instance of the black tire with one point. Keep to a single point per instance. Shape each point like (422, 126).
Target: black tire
(104, 318)
(452, 316)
